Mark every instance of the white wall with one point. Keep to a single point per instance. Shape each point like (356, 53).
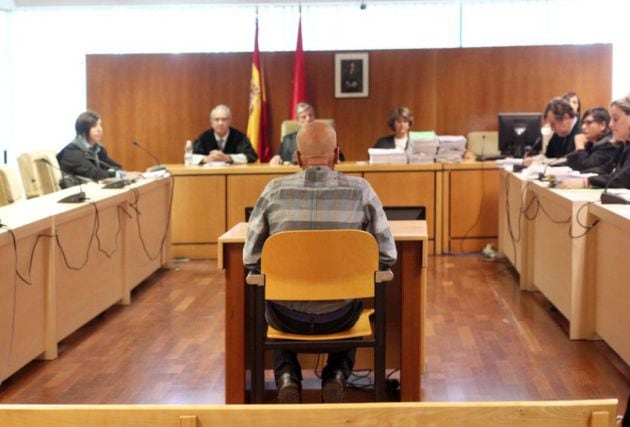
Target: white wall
(42, 64)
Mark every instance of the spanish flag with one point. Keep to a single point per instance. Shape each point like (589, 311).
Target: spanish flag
(299, 74)
(257, 122)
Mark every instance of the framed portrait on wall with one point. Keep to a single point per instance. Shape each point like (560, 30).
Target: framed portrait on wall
(352, 75)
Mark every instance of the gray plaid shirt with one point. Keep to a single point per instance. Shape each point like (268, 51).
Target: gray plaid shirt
(317, 198)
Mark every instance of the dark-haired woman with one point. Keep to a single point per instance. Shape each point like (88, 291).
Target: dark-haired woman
(85, 156)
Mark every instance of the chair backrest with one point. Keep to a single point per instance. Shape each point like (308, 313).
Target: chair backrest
(10, 186)
(484, 143)
(39, 178)
(319, 265)
(290, 126)
(48, 176)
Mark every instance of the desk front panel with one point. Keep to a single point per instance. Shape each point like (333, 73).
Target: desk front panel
(148, 230)
(512, 224)
(611, 273)
(198, 214)
(243, 191)
(552, 251)
(415, 188)
(94, 279)
(23, 306)
(472, 209)
(560, 254)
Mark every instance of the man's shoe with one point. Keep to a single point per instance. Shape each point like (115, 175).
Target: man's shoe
(288, 389)
(333, 388)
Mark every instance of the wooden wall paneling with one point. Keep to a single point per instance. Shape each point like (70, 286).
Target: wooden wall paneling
(163, 99)
(397, 78)
(475, 84)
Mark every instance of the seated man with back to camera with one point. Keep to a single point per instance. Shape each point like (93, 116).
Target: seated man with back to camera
(85, 156)
(223, 143)
(288, 147)
(316, 198)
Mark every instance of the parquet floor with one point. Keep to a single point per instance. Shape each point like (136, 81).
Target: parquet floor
(486, 340)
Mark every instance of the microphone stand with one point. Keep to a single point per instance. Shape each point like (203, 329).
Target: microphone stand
(159, 166)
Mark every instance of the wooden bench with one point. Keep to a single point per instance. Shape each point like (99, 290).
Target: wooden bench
(578, 413)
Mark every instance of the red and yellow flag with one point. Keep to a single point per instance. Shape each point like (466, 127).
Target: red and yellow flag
(299, 74)
(257, 122)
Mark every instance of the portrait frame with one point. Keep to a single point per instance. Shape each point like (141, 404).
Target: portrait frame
(352, 75)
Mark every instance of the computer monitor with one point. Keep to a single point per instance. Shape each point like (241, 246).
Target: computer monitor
(518, 132)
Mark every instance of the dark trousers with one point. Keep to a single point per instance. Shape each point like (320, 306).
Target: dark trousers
(285, 361)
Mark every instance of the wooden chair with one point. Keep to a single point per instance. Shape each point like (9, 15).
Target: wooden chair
(10, 186)
(318, 265)
(483, 143)
(39, 178)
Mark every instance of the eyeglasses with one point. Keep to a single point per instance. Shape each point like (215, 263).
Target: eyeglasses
(588, 122)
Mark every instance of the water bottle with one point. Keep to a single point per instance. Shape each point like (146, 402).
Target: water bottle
(188, 154)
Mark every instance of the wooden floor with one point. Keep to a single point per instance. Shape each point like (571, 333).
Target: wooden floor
(486, 340)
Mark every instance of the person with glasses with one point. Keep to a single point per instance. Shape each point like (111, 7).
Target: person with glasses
(619, 177)
(594, 150)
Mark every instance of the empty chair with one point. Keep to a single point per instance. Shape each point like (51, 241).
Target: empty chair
(484, 143)
(38, 177)
(10, 186)
(320, 265)
(291, 126)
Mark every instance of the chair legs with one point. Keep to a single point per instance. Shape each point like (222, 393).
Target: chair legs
(258, 356)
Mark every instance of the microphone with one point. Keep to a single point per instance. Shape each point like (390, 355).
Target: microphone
(73, 198)
(542, 175)
(159, 166)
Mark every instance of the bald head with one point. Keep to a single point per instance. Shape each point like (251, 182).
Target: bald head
(317, 145)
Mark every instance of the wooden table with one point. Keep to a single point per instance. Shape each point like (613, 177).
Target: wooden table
(410, 271)
(69, 283)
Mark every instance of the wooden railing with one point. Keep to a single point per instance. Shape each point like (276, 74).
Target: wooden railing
(578, 413)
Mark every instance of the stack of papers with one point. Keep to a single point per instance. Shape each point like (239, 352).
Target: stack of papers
(383, 156)
(422, 147)
(451, 148)
(508, 163)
